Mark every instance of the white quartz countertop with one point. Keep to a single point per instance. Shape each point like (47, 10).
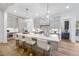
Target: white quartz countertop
(52, 37)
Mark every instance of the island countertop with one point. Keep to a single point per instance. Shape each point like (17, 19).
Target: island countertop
(52, 37)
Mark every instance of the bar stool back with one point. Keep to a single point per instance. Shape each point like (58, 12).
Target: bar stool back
(30, 43)
(43, 44)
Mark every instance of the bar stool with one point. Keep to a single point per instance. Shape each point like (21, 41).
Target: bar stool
(17, 40)
(43, 45)
(21, 44)
(31, 43)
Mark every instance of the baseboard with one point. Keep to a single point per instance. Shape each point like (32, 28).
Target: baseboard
(73, 41)
(3, 41)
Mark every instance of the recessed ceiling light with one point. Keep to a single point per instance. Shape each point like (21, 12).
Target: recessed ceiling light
(26, 20)
(47, 16)
(36, 14)
(42, 17)
(14, 10)
(48, 11)
(67, 7)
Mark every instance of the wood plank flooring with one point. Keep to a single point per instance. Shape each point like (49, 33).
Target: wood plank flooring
(66, 48)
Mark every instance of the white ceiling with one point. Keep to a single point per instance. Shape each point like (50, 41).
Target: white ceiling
(4, 6)
(39, 9)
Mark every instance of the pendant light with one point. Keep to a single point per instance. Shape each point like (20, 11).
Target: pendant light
(47, 15)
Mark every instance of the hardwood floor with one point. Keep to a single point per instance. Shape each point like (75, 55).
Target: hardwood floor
(8, 49)
(66, 48)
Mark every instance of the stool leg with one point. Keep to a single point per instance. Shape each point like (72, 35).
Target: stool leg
(31, 52)
(21, 51)
(43, 52)
(23, 46)
(17, 43)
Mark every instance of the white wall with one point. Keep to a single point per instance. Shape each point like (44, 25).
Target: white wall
(3, 23)
(5, 27)
(21, 24)
(24, 24)
(1, 26)
(36, 22)
(54, 22)
(12, 21)
(30, 24)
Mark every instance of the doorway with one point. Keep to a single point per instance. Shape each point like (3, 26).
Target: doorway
(66, 34)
